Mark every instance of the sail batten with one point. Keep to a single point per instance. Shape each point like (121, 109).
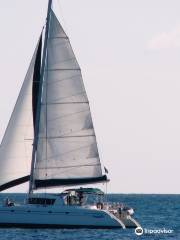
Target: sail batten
(65, 103)
(75, 136)
(84, 165)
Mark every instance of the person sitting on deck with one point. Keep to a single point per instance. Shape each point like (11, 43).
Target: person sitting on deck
(81, 197)
(8, 202)
(69, 199)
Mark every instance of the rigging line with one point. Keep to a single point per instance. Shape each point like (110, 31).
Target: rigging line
(72, 166)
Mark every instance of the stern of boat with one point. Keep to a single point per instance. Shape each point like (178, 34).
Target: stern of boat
(124, 215)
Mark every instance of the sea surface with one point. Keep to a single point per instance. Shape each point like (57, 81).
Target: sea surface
(154, 212)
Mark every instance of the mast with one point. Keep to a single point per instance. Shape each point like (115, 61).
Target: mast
(36, 132)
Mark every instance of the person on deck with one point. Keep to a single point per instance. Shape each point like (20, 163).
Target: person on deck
(81, 197)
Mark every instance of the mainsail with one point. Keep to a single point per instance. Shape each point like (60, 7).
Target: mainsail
(51, 131)
(67, 150)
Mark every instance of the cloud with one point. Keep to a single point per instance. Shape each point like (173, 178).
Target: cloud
(165, 40)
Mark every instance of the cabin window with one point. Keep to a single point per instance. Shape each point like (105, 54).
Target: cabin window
(42, 201)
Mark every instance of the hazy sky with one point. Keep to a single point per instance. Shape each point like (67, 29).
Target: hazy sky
(129, 52)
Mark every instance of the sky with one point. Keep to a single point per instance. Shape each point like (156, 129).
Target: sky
(129, 53)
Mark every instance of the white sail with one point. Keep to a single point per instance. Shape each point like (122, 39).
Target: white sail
(16, 146)
(67, 146)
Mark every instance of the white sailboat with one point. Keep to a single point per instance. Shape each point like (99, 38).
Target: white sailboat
(50, 142)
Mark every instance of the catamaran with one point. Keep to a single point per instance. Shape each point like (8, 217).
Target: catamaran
(50, 142)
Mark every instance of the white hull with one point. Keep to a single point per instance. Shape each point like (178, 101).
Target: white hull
(59, 216)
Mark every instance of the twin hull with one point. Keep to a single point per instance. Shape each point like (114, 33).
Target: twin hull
(67, 216)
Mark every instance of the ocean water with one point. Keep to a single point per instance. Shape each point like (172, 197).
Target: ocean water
(154, 212)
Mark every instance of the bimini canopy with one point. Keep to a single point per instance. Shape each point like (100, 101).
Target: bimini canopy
(85, 191)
